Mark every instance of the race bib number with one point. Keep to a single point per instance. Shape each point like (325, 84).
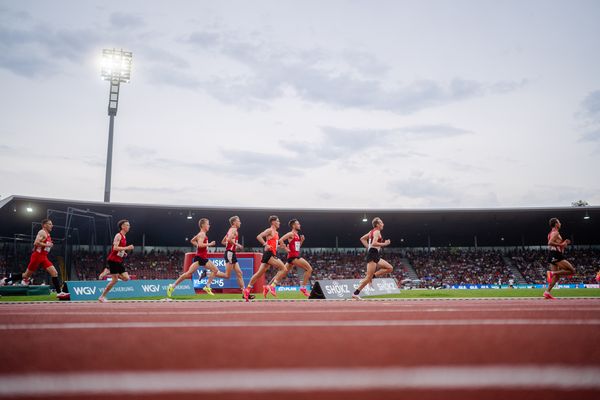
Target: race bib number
(297, 245)
(47, 249)
(121, 253)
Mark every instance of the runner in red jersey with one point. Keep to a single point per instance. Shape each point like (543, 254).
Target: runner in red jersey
(39, 258)
(200, 260)
(374, 242)
(269, 238)
(115, 258)
(294, 239)
(559, 266)
(230, 241)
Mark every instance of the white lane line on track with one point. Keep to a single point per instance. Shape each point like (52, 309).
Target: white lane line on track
(587, 299)
(296, 324)
(534, 377)
(292, 311)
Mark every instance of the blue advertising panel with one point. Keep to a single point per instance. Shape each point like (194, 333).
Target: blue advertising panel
(246, 265)
(91, 290)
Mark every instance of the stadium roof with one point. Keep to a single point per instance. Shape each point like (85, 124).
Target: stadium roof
(168, 225)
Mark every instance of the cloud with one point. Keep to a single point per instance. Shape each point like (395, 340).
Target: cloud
(589, 113)
(120, 20)
(421, 187)
(337, 143)
(590, 106)
(348, 79)
(38, 50)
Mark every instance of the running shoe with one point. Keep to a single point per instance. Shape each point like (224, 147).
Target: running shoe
(102, 299)
(63, 296)
(356, 297)
(246, 294)
(549, 276)
(208, 290)
(304, 291)
(266, 291)
(170, 290)
(548, 296)
(273, 290)
(26, 282)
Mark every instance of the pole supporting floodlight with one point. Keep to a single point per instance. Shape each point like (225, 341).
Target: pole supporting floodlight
(116, 68)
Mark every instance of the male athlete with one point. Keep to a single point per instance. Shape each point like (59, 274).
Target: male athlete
(116, 257)
(200, 260)
(39, 258)
(556, 258)
(230, 241)
(374, 242)
(295, 239)
(269, 238)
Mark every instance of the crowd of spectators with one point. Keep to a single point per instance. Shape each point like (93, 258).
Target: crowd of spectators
(533, 264)
(442, 267)
(435, 268)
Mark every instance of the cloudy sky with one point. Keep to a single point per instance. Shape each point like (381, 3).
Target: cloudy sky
(360, 104)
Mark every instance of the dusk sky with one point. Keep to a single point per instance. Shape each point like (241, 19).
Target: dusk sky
(326, 104)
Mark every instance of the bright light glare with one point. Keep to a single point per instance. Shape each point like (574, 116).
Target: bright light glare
(29, 209)
(116, 65)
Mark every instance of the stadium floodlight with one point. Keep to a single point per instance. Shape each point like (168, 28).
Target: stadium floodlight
(189, 216)
(29, 209)
(116, 68)
(364, 218)
(587, 216)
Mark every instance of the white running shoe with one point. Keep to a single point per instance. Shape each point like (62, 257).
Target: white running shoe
(356, 297)
(63, 296)
(102, 299)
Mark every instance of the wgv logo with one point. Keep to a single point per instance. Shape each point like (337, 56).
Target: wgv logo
(151, 288)
(85, 290)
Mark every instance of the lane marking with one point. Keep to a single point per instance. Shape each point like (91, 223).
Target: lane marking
(292, 324)
(305, 311)
(532, 377)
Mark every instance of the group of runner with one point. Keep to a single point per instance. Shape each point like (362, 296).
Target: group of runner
(291, 242)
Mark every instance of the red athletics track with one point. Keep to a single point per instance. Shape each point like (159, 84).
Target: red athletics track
(430, 349)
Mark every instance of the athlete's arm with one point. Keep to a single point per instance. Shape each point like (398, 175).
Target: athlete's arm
(365, 240)
(194, 240)
(285, 237)
(116, 242)
(264, 234)
(39, 239)
(556, 240)
(200, 241)
(376, 242)
(231, 237)
(282, 240)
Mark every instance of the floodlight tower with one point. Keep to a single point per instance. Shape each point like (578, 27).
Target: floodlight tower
(116, 68)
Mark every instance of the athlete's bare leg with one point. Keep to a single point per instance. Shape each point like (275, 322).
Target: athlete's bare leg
(239, 275)
(384, 268)
(277, 263)
(188, 274)
(288, 268)
(215, 273)
(260, 272)
(305, 265)
(565, 267)
(113, 282)
(371, 267)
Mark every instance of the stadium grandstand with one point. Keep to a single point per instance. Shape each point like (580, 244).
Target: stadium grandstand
(435, 248)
